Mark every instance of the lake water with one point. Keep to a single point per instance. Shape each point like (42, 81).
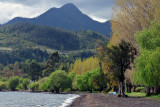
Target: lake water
(26, 99)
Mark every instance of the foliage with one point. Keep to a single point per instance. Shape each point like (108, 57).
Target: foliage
(130, 16)
(71, 77)
(140, 89)
(43, 84)
(58, 80)
(34, 71)
(81, 66)
(19, 55)
(51, 64)
(136, 94)
(89, 81)
(25, 83)
(13, 83)
(30, 35)
(3, 86)
(147, 68)
(11, 70)
(34, 86)
(118, 59)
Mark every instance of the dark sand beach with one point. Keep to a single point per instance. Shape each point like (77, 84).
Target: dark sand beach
(105, 100)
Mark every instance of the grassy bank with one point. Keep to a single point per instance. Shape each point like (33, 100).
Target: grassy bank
(139, 94)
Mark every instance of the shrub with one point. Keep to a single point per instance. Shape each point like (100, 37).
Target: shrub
(34, 86)
(25, 83)
(140, 89)
(3, 79)
(58, 80)
(43, 84)
(90, 81)
(2, 85)
(13, 83)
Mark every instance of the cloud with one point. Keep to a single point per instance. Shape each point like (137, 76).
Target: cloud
(97, 9)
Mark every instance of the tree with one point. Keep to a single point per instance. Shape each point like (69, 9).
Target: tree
(58, 80)
(34, 86)
(34, 71)
(118, 59)
(147, 68)
(51, 64)
(81, 66)
(25, 83)
(13, 83)
(90, 81)
(130, 16)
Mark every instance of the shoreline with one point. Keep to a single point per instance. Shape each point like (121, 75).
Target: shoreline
(78, 101)
(106, 100)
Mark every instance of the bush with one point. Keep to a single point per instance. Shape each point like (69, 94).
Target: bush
(13, 83)
(34, 86)
(43, 84)
(140, 89)
(3, 79)
(90, 81)
(2, 86)
(58, 80)
(25, 83)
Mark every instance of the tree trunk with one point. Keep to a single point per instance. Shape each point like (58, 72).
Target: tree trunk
(148, 91)
(152, 90)
(155, 90)
(121, 90)
(129, 88)
(158, 89)
(134, 88)
(57, 90)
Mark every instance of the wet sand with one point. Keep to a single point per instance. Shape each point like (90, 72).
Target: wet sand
(105, 100)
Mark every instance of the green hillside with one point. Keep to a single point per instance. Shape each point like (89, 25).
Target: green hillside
(22, 41)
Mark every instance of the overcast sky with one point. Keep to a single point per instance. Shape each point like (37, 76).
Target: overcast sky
(100, 10)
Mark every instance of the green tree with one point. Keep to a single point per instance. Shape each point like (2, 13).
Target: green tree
(34, 86)
(34, 71)
(91, 80)
(51, 64)
(58, 80)
(147, 68)
(118, 59)
(25, 83)
(13, 83)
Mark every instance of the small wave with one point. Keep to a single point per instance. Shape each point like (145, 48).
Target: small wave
(69, 101)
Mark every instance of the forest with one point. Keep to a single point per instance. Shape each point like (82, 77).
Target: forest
(128, 63)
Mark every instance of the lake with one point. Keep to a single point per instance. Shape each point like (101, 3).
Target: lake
(27, 99)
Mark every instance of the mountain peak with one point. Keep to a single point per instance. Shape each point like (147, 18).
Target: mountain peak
(67, 17)
(69, 5)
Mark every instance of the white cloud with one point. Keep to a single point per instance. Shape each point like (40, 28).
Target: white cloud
(98, 19)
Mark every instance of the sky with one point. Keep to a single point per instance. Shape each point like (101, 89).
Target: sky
(100, 10)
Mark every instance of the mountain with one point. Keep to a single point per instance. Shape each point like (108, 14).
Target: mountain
(68, 17)
(21, 41)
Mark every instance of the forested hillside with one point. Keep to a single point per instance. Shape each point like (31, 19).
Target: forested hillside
(22, 41)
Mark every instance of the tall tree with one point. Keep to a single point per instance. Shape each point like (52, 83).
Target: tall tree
(34, 71)
(58, 80)
(118, 59)
(147, 68)
(51, 64)
(130, 16)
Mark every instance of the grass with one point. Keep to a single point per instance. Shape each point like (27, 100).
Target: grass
(140, 94)
(154, 97)
(136, 94)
